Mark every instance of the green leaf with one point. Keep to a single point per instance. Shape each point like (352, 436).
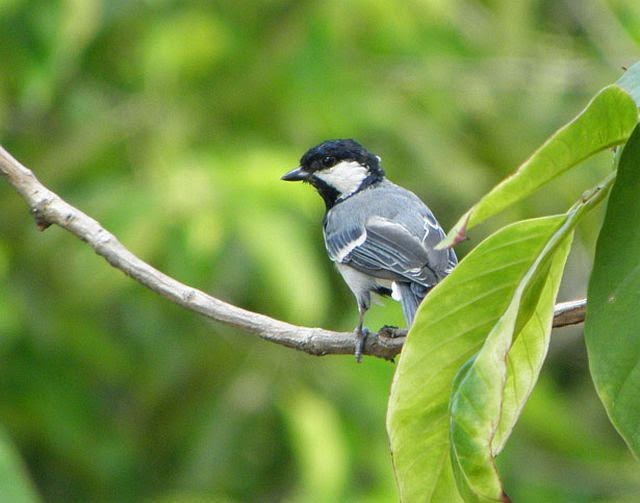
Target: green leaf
(606, 121)
(493, 389)
(451, 326)
(613, 317)
(527, 353)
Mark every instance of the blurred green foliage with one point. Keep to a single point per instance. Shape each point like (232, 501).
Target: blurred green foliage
(171, 122)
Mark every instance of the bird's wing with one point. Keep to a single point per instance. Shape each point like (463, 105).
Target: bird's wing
(447, 259)
(387, 249)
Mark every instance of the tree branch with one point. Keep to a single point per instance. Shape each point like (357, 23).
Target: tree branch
(48, 208)
(569, 313)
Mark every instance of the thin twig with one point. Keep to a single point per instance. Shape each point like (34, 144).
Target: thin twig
(48, 208)
(569, 313)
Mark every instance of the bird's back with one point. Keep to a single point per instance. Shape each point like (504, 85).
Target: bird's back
(387, 202)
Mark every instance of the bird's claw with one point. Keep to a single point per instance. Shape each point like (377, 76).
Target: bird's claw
(392, 332)
(387, 331)
(361, 337)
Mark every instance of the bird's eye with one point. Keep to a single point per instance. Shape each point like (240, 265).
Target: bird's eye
(328, 161)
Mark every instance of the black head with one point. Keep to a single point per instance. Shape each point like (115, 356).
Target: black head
(338, 169)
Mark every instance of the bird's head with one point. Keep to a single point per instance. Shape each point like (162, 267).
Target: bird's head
(337, 169)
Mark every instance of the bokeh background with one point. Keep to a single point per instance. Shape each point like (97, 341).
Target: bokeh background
(171, 123)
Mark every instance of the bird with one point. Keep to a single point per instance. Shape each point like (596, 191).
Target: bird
(380, 236)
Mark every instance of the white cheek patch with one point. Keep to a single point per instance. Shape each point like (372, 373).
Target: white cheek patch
(345, 176)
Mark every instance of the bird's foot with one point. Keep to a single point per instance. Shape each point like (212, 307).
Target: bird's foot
(361, 337)
(392, 332)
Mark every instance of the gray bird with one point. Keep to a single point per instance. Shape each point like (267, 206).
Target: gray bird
(381, 237)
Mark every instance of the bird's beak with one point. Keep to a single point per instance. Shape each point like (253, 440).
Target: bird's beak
(295, 175)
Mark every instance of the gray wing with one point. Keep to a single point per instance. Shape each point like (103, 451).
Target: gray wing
(389, 250)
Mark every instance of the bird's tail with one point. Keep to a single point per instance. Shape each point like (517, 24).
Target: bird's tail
(411, 295)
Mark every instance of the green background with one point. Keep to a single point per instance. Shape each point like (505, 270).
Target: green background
(171, 123)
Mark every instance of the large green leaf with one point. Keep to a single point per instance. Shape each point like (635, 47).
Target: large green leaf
(451, 326)
(528, 352)
(606, 121)
(491, 392)
(612, 327)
